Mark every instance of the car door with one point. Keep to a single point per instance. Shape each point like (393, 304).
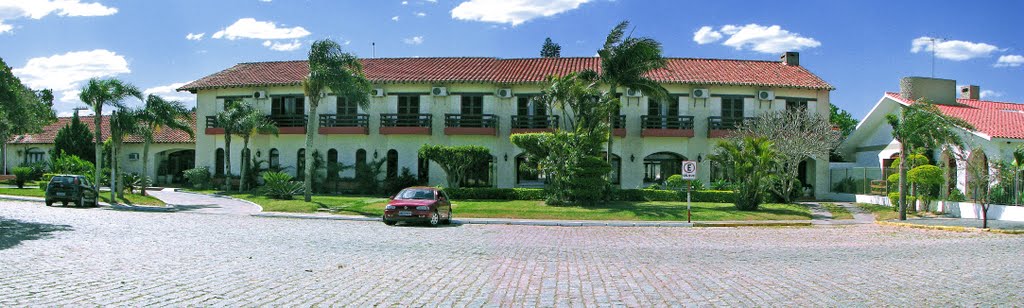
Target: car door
(446, 202)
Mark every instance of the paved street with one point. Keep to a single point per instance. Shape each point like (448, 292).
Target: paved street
(88, 257)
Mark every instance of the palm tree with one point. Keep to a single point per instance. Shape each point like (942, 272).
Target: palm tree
(228, 120)
(625, 62)
(330, 69)
(922, 125)
(100, 92)
(252, 121)
(123, 122)
(156, 115)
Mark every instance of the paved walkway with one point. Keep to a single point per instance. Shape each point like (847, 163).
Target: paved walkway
(206, 204)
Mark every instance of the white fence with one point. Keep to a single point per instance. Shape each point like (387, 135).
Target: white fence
(967, 210)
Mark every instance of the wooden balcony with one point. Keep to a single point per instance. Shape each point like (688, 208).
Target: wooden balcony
(470, 124)
(719, 127)
(405, 124)
(212, 128)
(354, 124)
(534, 124)
(289, 124)
(619, 126)
(666, 126)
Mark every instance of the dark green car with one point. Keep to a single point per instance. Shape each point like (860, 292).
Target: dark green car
(69, 188)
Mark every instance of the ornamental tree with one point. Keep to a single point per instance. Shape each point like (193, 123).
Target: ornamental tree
(752, 159)
(75, 139)
(456, 161)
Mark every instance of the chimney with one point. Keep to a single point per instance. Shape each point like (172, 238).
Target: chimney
(970, 92)
(935, 90)
(790, 58)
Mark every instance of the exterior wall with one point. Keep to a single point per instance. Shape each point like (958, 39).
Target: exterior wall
(631, 146)
(157, 152)
(966, 210)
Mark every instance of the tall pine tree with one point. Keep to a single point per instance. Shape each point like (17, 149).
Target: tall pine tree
(550, 49)
(75, 138)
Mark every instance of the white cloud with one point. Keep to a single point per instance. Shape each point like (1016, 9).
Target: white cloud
(37, 9)
(952, 50)
(405, 2)
(988, 94)
(195, 36)
(512, 12)
(250, 28)
(1010, 61)
(415, 40)
(394, 18)
(169, 92)
(66, 73)
(764, 39)
(432, 1)
(278, 46)
(706, 35)
(421, 14)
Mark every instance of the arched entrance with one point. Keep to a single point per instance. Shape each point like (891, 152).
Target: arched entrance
(948, 163)
(172, 168)
(977, 174)
(659, 166)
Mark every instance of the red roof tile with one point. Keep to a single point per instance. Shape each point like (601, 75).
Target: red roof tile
(49, 132)
(527, 70)
(996, 119)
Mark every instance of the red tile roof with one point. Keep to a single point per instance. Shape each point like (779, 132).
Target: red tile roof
(49, 132)
(527, 70)
(996, 119)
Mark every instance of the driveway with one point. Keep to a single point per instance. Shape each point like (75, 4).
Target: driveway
(100, 257)
(206, 204)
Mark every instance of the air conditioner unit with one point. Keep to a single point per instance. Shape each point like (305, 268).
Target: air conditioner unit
(700, 93)
(133, 156)
(378, 92)
(259, 94)
(633, 93)
(766, 95)
(504, 93)
(439, 91)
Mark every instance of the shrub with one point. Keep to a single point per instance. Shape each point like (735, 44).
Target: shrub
(37, 170)
(721, 185)
(22, 175)
(279, 185)
(403, 180)
(675, 182)
(956, 195)
(488, 193)
(71, 164)
(894, 199)
(718, 196)
(366, 176)
(697, 185)
(132, 180)
(199, 177)
(456, 161)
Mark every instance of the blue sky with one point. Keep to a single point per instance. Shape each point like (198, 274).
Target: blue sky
(861, 47)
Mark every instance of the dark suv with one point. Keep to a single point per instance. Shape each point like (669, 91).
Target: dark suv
(70, 188)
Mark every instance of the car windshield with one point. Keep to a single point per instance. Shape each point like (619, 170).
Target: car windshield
(63, 179)
(415, 194)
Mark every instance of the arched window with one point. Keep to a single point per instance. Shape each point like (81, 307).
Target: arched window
(659, 166)
(218, 165)
(360, 157)
(978, 174)
(616, 174)
(423, 170)
(300, 164)
(392, 163)
(332, 164)
(275, 159)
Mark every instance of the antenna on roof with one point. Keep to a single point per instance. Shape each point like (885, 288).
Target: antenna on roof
(373, 49)
(934, 39)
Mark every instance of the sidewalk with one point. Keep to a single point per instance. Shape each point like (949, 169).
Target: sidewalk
(128, 207)
(958, 224)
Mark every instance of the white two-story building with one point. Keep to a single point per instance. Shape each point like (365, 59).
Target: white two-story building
(482, 101)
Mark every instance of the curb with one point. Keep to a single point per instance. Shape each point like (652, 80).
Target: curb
(947, 228)
(553, 223)
(753, 224)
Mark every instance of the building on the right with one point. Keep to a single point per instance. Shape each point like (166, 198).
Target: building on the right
(871, 148)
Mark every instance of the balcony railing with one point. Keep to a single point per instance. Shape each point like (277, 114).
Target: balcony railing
(619, 122)
(211, 122)
(405, 120)
(288, 120)
(666, 122)
(470, 120)
(535, 122)
(720, 123)
(344, 120)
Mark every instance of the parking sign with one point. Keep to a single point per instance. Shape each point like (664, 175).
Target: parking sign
(689, 170)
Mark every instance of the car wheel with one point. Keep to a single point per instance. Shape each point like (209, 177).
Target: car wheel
(63, 203)
(389, 222)
(49, 203)
(435, 219)
(81, 201)
(448, 220)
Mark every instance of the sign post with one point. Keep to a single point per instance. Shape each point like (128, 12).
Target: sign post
(689, 173)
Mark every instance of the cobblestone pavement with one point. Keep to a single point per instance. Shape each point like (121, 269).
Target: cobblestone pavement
(89, 257)
(206, 204)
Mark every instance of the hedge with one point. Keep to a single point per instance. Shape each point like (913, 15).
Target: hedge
(717, 196)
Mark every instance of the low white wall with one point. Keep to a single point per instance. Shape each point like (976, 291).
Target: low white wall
(966, 210)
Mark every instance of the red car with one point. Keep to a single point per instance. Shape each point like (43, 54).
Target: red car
(419, 204)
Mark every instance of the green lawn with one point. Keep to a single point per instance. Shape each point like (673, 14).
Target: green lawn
(883, 212)
(529, 209)
(104, 197)
(837, 211)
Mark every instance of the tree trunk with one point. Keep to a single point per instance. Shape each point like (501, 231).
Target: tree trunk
(3, 149)
(96, 119)
(984, 215)
(145, 167)
(612, 89)
(903, 181)
(113, 169)
(118, 172)
(312, 124)
(227, 161)
(243, 178)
